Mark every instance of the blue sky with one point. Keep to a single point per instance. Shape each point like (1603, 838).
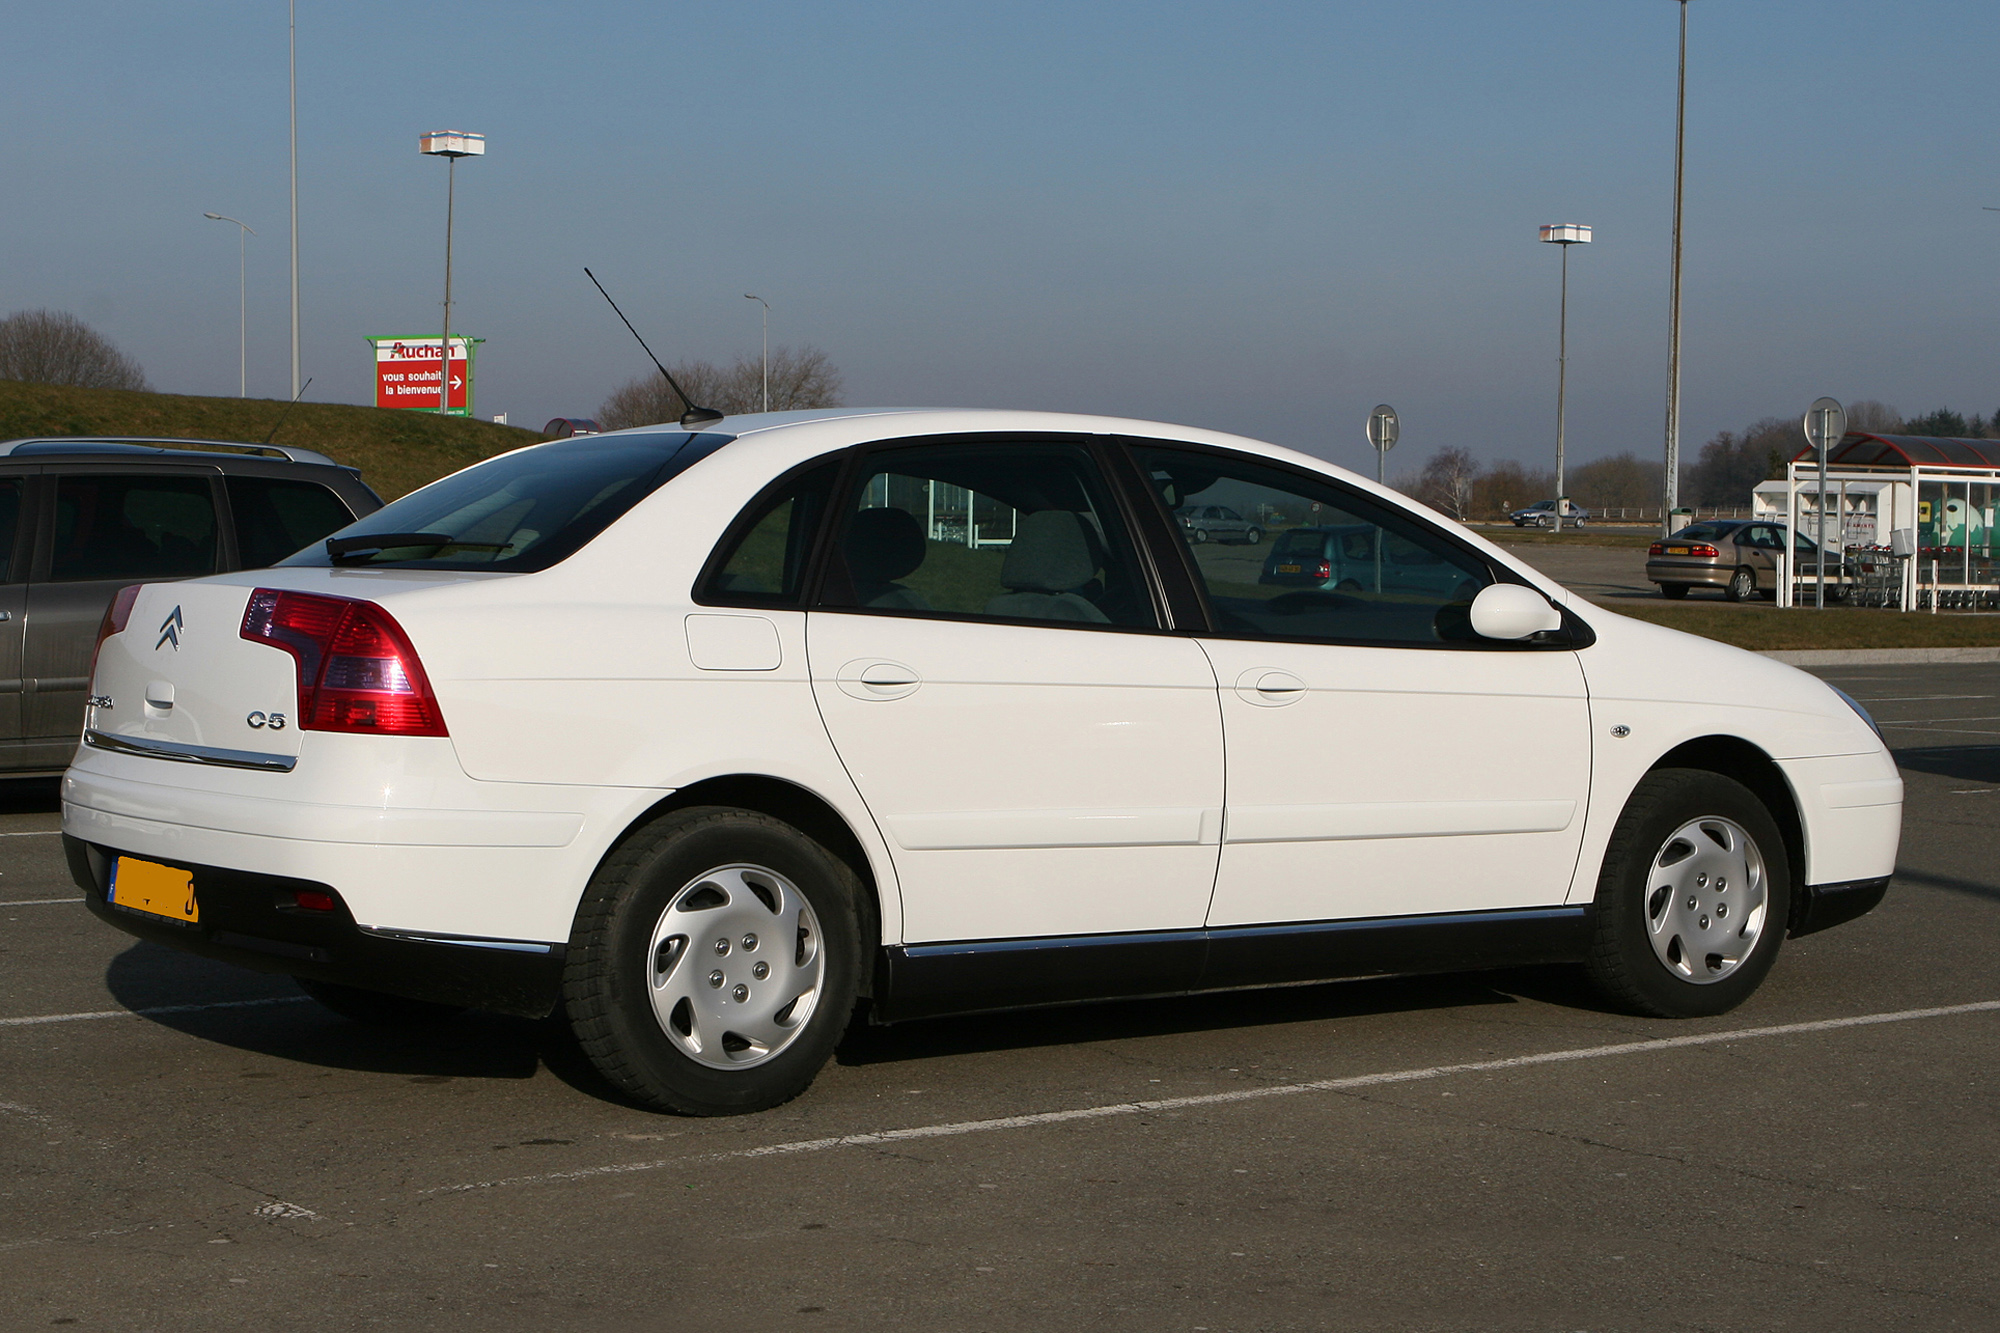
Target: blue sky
(1257, 217)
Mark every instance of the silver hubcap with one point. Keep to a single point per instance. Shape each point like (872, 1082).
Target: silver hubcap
(1706, 899)
(736, 966)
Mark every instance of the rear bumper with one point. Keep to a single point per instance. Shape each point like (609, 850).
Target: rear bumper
(1699, 576)
(254, 921)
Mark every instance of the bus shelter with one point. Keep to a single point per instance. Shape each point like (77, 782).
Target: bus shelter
(1911, 517)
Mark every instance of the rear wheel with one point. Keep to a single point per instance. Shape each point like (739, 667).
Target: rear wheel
(376, 1008)
(1200, 536)
(715, 962)
(1673, 592)
(1693, 897)
(1742, 585)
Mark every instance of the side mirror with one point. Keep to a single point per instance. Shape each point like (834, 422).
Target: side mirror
(1510, 611)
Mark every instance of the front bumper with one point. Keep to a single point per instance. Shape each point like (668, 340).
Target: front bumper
(254, 921)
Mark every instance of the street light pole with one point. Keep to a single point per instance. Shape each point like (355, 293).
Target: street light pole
(242, 304)
(1564, 234)
(295, 199)
(767, 346)
(450, 145)
(1672, 496)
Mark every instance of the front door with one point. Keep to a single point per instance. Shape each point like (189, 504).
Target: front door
(1383, 761)
(1041, 757)
(13, 609)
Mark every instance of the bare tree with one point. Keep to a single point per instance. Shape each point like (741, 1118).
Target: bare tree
(1874, 418)
(1507, 486)
(1446, 481)
(53, 347)
(800, 378)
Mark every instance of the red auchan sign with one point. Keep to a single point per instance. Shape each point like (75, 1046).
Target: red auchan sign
(406, 373)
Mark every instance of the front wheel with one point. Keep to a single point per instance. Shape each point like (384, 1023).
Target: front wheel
(1693, 897)
(715, 962)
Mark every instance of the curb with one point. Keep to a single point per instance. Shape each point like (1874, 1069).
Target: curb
(1881, 656)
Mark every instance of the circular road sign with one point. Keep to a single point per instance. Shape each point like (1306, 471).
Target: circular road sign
(1382, 428)
(1825, 423)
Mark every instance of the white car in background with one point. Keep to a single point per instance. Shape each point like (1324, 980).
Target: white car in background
(710, 735)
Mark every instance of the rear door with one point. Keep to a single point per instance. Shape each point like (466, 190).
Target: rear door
(16, 550)
(109, 526)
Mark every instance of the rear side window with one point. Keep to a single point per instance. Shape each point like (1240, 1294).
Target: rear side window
(275, 517)
(764, 559)
(10, 524)
(519, 512)
(133, 527)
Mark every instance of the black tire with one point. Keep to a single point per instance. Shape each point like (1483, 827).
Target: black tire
(609, 976)
(1673, 592)
(376, 1008)
(1253, 537)
(1200, 536)
(1742, 585)
(1623, 961)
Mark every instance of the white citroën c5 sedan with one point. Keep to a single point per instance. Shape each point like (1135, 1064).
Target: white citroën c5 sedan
(709, 735)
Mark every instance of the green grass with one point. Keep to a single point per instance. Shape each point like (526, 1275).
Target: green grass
(396, 451)
(1767, 629)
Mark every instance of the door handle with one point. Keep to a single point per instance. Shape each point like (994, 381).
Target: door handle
(1268, 687)
(6, 616)
(876, 679)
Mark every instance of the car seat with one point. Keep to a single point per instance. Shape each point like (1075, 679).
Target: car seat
(1053, 555)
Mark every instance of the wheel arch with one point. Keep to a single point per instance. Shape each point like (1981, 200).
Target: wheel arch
(805, 811)
(1745, 762)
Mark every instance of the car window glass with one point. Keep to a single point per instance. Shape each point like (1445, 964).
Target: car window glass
(1699, 532)
(275, 517)
(765, 564)
(1311, 560)
(1008, 530)
(132, 527)
(10, 524)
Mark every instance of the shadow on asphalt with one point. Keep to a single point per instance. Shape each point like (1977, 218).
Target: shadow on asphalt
(1127, 1019)
(30, 796)
(1972, 888)
(1967, 763)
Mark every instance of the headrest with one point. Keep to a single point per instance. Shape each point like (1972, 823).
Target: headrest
(883, 545)
(1053, 551)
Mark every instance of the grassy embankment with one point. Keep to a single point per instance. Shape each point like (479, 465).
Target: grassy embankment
(396, 451)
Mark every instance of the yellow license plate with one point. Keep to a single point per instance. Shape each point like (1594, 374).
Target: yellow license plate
(145, 886)
(1677, 550)
(1288, 569)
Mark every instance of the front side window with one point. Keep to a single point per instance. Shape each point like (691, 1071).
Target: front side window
(10, 524)
(147, 526)
(1006, 530)
(1318, 561)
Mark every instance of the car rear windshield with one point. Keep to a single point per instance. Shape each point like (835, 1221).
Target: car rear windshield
(1300, 542)
(519, 512)
(1704, 532)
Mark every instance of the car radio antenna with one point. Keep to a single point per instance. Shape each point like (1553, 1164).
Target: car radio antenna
(288, 410)
(694, 416)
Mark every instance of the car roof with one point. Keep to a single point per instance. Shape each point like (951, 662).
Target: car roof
(98, 446)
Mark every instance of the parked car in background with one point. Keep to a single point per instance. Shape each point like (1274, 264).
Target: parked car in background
(1219, 523)
(1737, 556)
(702, 738)
(1542, 514)
(82, 518)
(1343, 559)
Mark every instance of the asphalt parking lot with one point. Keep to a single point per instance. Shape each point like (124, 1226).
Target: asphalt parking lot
(183, 1145)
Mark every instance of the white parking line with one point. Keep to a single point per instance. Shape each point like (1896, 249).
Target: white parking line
(147, 1013)
(1240, 1095)
(40, 902)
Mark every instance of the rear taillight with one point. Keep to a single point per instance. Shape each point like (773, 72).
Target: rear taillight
(1324, 570)
(116, 616)
(1657, 548)
(1705, 552)
(357, 670)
